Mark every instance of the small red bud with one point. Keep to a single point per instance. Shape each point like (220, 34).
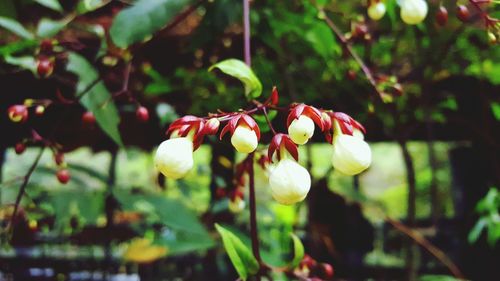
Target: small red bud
(220, 193)
(59, 158)
(397, 89)
(20, 148)
(442, 16)
(88, 118)
(142, 114)
(40, 110)
(45, 67)
(463, 13)
(307, 262)
(360, 31)
(63, 176)
(211, 126)
(18, 113)
(351, 74)
(327, 271)
(46, 46)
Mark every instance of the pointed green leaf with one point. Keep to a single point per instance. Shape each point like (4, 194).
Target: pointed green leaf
(97, 99)
(242, 258)
(51, 4)
(145, 17)
(15, 27)
(476, 231)
(85, 6)
(298, 251)
(26, 62)
(49, 28)
(241, 71)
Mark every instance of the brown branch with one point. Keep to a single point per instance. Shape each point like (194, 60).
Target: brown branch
(22, 189)
(426, 244)
(347, 46)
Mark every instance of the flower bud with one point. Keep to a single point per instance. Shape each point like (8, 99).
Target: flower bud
(376, 10)
(18, 113)
(211, 126)
(244, 139)
(442, 16)
(301, 130)
(413, 11)
(289, 182)
(174, 157)
(351, 154)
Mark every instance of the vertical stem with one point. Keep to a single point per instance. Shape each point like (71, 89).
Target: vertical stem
(246, 32)
(253, 209)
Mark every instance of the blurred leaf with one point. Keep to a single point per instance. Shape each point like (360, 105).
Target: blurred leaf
(7, 9)
(495, 108)
(90, 172)
(51, 4)
(49, 28)
(240, 255)
(26, 62)
(298, 251)
(97, 99)
(15, 27)
(476, 231)
(157, 88)
(18, 46)
(140, 21)
(438, 278)
(87, 205)
(322, 41)
(140, 250)
(85, 6)
(241, 71)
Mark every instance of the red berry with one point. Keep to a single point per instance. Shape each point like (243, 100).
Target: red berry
(88, 118)
(46, 46)
(463, 13)
(18, 113)
(59, 158)
(351, 74)
(142, 114)
(20, 148)
(327, 271)
(45, 67)
(63, 176)
(442, 16)
(220, 193)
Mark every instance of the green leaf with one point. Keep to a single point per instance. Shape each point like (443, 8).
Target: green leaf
(140, 21)
(51, 4)
(17, 46)
(241, 71)
(49, 28)
(322, 41)
(495, 108)
(476, 231)
(298, 251)
(240, 255)
(97, 99)
(85, 6)
(15, 27)
(25, 62)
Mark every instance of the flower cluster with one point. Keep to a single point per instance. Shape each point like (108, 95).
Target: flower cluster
(412, 11)
(288, 180)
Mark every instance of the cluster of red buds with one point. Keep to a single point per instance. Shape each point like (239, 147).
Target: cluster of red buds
(311, 270)
(289, 181)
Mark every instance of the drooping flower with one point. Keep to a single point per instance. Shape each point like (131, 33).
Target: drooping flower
(245, 133)
(376, 11)
(174, 157)
(289, 181)
(413, 11)
(351, 154)
(301, 123)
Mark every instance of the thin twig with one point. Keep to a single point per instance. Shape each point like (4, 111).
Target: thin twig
(268, 121)
(426, 244)
(340, 36)
(22, 189)
(253, 209)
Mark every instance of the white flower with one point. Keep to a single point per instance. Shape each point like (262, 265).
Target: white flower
(289, 182)
(301, 130)
(351, 154)
(413, 11)
(174, 157)
(244, 139)
(376, 10)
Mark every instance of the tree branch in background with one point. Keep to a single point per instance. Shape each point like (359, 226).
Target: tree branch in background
(347, 46)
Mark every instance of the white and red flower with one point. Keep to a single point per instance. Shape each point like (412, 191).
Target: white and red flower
(289, 181)
(301, 121)
(245, 133)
